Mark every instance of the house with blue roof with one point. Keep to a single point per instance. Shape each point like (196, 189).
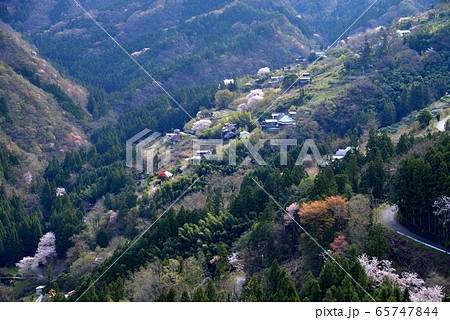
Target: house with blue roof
(286, 120)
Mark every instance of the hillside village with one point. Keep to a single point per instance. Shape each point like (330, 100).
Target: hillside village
(264, 99)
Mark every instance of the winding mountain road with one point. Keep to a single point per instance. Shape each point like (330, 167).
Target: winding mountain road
(440, 125)
(388, 219)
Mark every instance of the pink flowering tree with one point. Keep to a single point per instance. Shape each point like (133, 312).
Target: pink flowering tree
(377, 270)
(242, 107)
(236, 262)
(201, 125)
(339, 246)
(46, 250)
(254, 96)
(291, 210)
(26, 266)
(431, 294)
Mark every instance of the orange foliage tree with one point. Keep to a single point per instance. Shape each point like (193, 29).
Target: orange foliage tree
(338, 210)
(323, 218)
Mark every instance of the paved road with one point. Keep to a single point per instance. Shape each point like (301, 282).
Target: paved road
(441, 124)
(387, 218)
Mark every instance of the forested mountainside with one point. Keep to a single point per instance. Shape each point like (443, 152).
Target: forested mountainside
(39, 119)
(185, 43)
(322, 14)
(180, 43)
(41, 111)
(232, 233)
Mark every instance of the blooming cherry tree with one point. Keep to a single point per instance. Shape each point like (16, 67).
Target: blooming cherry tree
(242, 107)
(263, 71)
(201, 125)
(46, 250)
(254, 96)
(26, 266)
(291, 210)
(378, 270)
(236, 262)
(431, 294)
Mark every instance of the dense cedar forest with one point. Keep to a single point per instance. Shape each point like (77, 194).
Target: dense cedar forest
(231, 226)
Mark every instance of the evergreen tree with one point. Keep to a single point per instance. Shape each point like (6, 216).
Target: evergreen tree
(102, 238)
(14, 247)
(321, 187)
(330, 295)
(348, 289)
(278, 285)
(185, 297)
(3, 107)
(199, 295)
(118, 289)
(352, 171)
(104, 295)
(90, 295)
(48, 195)
(424, 117)
(93, 107)
(379, 141)
(310, 288)
(374, 177)
(181, 217)
(388, 115)
(171, 295)
(377, 245)
(417, 96)
(211, 293)
(404, 143)
(403, 107)
(253, 289)
(161, 298)
(339, 295)
(328, 276)
(64, 223)
(405, 296)
(366, 55)
(222, 262)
